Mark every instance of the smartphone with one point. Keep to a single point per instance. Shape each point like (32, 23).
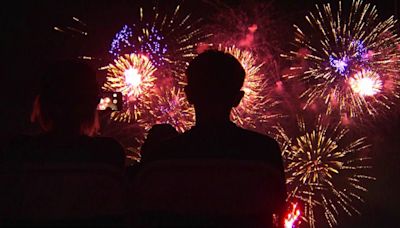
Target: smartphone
(111, 101)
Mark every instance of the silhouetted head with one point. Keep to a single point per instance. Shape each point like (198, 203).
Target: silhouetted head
(215, 79)
(161, 132)
(67, 99)
(157, 134)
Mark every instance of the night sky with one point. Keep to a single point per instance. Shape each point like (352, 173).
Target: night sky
(29, 43)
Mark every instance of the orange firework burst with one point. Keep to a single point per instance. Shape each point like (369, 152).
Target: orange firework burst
(257, 103)
(132, 75)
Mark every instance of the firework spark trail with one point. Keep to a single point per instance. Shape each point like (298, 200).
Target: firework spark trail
(340, 47)
(257, 105)
(170, 106)
(78, 27)
(168, 40)
(324, 171)
(133, 76)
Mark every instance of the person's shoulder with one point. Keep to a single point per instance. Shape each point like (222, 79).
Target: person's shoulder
(108, 150)
(181, 141)
(262, 146)
(23, 138)
(107, 143)
(17, 147)
(166, 149)
(20, 141)
(256, 137)
(103, 140)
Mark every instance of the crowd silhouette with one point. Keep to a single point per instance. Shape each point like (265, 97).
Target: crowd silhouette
(65, 109)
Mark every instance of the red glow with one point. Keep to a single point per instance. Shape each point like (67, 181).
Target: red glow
(202, 47)
(247, 42)
(292, 216)
(279, 86)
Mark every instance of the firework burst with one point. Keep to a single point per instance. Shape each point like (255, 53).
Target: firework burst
(168, 40)
(257, 104)
(171, 106)
(324, 170)
(338, 50)
(133, 76)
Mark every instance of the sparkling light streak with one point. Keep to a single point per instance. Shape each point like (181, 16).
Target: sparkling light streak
(78, 27)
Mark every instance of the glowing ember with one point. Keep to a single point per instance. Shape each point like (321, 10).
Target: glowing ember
(366, 83)
(132, 77)
(292, 216)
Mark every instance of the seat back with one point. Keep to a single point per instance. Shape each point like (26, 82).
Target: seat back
(61, 192)
(208, 189)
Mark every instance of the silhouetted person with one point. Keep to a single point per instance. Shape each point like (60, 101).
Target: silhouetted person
(158, 134)
(65, 109)
(214, 86)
